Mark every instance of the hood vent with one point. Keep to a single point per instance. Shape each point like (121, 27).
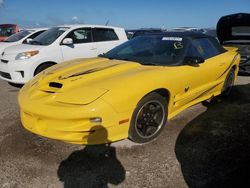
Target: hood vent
(55, 85)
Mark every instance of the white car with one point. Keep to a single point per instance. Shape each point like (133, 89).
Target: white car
(22, 37)
(22, 62)
(194, 29)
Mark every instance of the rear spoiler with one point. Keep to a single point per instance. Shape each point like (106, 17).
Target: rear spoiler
(229, 48)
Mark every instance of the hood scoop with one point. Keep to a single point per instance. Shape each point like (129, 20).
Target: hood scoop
(52, 87)
(55, 85)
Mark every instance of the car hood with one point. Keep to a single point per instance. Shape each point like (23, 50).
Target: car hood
(22, 48)
(228, 27)
(4, 45)
(81, 81)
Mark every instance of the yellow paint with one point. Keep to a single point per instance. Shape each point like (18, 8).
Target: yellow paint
(111, 91)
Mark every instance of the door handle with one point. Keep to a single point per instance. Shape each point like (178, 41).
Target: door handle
(221, 64)
(93, 48)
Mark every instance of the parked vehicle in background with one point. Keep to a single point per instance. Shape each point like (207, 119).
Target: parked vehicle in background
(140, 32)
(130, 33)
(22, 37)
(234, 30)
(192, 29)
(211, 32)
(7, 30)
(22, 62)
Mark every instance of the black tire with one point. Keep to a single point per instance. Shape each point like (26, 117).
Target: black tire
(229, 82)
(42, 67)
(151, 112)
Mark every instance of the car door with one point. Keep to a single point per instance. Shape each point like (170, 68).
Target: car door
(203, 79)
(82, 47)
(105, 39)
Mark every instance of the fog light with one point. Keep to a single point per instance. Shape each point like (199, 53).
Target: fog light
(96, 120)
(22, 73)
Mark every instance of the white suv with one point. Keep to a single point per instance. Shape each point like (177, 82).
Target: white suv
(21, 62)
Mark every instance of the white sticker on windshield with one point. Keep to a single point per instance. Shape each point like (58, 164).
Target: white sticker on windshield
(172, 38)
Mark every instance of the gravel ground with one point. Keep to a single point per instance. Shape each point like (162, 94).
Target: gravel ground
(207, 145)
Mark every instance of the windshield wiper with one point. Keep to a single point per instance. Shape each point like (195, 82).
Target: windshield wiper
(149, 63)
(104, 55)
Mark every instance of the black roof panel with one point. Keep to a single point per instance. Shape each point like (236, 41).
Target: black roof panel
(181, 34)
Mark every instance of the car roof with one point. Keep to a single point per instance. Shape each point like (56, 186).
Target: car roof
(87, 25)
(34, 29)
(8, 25)
(185, 34)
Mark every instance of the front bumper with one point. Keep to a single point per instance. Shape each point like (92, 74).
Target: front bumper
(16, 71)
(71, 123)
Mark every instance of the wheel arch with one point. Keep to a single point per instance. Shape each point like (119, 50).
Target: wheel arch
(41, 64)
(234, 67)
(165, 93)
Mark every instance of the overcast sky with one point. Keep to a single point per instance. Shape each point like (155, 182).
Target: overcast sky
(128, 13)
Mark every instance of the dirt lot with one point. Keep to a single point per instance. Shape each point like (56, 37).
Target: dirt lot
(207, 145)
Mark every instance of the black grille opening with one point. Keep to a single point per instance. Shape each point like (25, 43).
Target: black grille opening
(4, 61)
(55, 84)
(5, 75)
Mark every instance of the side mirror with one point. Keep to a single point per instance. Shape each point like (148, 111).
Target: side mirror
(193, 61)
(28, 40)
(67, 41)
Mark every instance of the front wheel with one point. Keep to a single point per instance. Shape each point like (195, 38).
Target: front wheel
(148, 119)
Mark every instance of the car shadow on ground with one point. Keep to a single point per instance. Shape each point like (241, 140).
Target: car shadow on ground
(95, 166)
(214, 148)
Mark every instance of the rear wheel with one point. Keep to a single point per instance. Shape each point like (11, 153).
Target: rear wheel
(42, 67)
(148, 119)
(229, 82)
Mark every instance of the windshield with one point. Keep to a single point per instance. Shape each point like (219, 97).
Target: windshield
(6, 31)
(49, 36)
(18, 36)
(150, 50)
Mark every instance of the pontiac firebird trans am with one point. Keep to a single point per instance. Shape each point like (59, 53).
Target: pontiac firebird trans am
(129, 92)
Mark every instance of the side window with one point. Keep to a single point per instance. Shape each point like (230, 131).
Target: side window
(204, 48)
(36, 34)
(217, 45)
(83, 35)
(102, 34)
(33, 36)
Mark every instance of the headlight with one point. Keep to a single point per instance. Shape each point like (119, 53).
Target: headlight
(26, 55)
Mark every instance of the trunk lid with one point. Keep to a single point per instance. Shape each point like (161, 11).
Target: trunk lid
(234, 27)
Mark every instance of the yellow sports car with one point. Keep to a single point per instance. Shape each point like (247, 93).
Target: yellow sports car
(129, 92)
